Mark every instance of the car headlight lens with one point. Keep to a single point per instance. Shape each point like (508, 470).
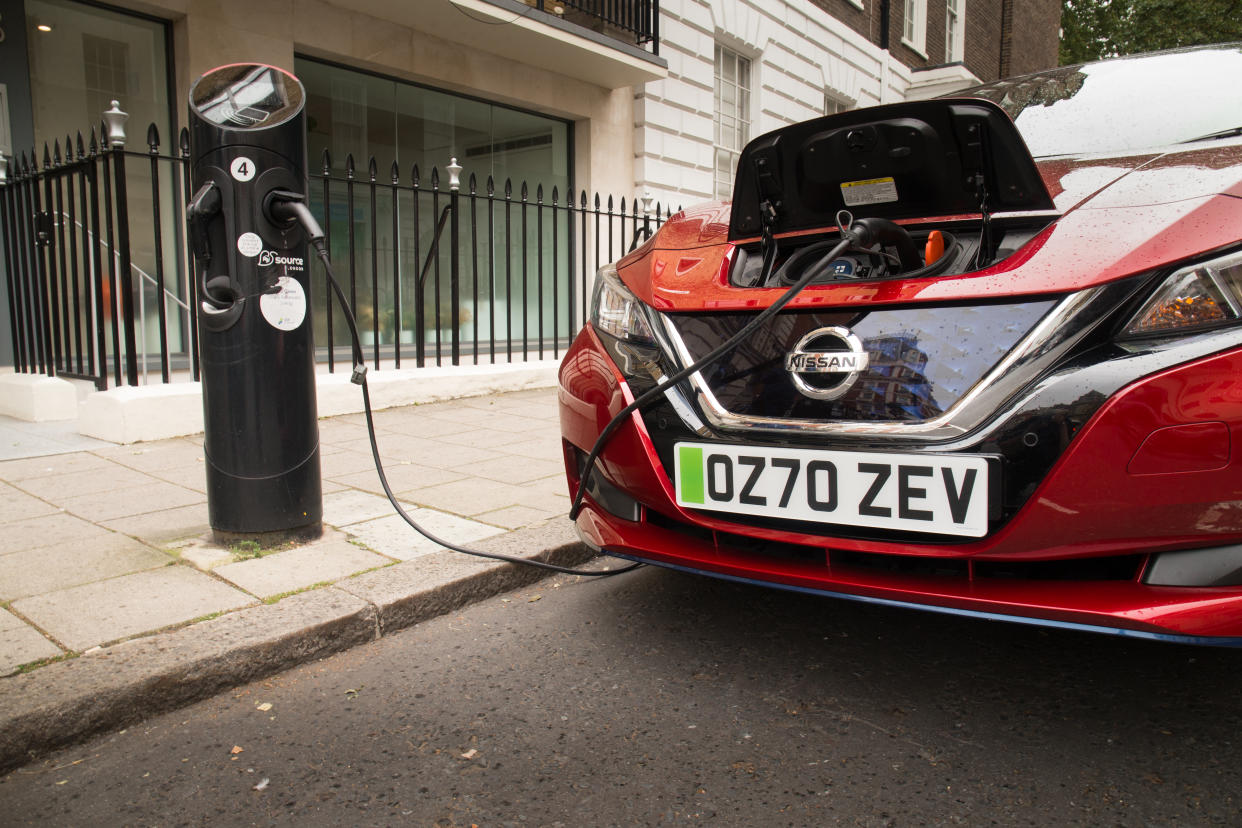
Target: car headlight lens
(1200, 296)
(618, 312)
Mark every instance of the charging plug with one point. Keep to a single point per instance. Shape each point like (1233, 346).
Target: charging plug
(284, 209)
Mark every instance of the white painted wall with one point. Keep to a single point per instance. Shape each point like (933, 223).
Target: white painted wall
(798, 52)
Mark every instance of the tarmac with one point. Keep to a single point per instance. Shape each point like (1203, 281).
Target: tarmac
(115, 603)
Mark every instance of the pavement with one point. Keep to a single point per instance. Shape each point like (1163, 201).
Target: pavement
(115, 603)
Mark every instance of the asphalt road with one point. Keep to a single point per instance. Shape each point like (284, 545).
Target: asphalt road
(662, 698)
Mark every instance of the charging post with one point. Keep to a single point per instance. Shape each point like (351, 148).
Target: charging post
(261, 435)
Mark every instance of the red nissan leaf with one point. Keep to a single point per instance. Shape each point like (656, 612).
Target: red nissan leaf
(978, 355)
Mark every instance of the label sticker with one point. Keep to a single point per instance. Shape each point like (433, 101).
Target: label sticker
(285, 309)
(249, 245)
(242, 168)
(871, 191)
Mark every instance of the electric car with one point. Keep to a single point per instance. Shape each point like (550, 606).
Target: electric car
(998, 373)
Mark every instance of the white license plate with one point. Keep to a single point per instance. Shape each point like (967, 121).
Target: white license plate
(945, 494)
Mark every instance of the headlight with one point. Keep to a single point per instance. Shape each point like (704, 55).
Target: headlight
(617, 312)
(1200, 296)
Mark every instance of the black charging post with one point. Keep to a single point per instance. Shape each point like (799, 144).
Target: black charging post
(261, 442)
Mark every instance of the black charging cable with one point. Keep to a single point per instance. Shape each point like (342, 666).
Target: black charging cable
(290, 207)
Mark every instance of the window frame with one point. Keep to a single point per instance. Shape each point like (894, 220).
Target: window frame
(722, 185)
(954, 31)
(914, 26)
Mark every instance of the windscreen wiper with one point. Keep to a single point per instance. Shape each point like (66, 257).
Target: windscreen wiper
(1211, 136)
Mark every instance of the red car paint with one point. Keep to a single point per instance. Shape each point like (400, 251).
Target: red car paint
(1152, 470)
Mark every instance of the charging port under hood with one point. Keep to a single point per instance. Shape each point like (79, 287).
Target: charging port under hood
(921, 159)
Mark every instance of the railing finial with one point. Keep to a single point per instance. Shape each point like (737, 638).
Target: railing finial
(454, 171)
(647, 199)
(4, 169)
(115, 119)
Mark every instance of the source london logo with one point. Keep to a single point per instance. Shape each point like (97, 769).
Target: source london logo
(268, 258)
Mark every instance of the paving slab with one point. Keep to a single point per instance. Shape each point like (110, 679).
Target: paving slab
(44, 569)
(56, 464)
(129, 605)
(61, 487)
(17, 505)
(22, 644)
(508, 470)
(277, 573)
(160, 528)
(48, 530)
(472, 497)
(155, 496)
(393, 537)
(402, 477)
(351, 506)
(148, 457)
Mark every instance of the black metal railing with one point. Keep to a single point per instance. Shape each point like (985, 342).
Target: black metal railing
(487, 273)
(101, 288)
(640, 19)
(79, 278)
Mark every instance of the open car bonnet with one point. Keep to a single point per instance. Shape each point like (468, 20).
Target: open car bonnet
(913, 160)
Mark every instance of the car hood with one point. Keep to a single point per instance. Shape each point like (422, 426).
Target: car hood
(1119, 215)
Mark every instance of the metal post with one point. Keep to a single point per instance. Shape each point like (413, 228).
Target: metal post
(454, 171)
(115, 120)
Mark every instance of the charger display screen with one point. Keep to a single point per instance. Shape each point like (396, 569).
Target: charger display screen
(247, 96)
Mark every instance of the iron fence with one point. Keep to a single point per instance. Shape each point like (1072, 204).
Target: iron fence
(101, 285)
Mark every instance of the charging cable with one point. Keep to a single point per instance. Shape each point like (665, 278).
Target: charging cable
(290, 207)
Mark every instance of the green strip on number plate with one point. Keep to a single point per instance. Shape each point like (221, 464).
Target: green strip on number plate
(690, 473)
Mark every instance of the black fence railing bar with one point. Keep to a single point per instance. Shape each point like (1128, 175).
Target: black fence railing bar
(638, 18)
(101, 285)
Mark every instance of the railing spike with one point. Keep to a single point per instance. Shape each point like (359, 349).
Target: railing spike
(539, 194)
(183, 142)
(349, 165)
(610, 204)
(153, 138)
(55, 153)
(414, 176)
(327, 162)
(623, 205)
(395, 172)
(508, 188)
(597, 201)
(94, 149)
(584, 200)
(435, 178)
(47, 157)
(372, 169)
(474, 184)
(491, 187)
(81, 147)
(523, 191)
(555, 194)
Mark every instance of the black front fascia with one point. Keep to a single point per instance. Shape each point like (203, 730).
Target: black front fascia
(1029, 435)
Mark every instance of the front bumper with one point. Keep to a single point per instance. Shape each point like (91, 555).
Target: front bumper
(1074, 552)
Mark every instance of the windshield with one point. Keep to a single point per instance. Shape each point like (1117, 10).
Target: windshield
(1125, 104)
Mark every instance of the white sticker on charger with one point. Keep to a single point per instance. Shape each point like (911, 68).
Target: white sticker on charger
(242, 168)
(249, 245)
(284, 310)
(870, 191)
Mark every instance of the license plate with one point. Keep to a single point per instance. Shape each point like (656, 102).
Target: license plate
(945, 494)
